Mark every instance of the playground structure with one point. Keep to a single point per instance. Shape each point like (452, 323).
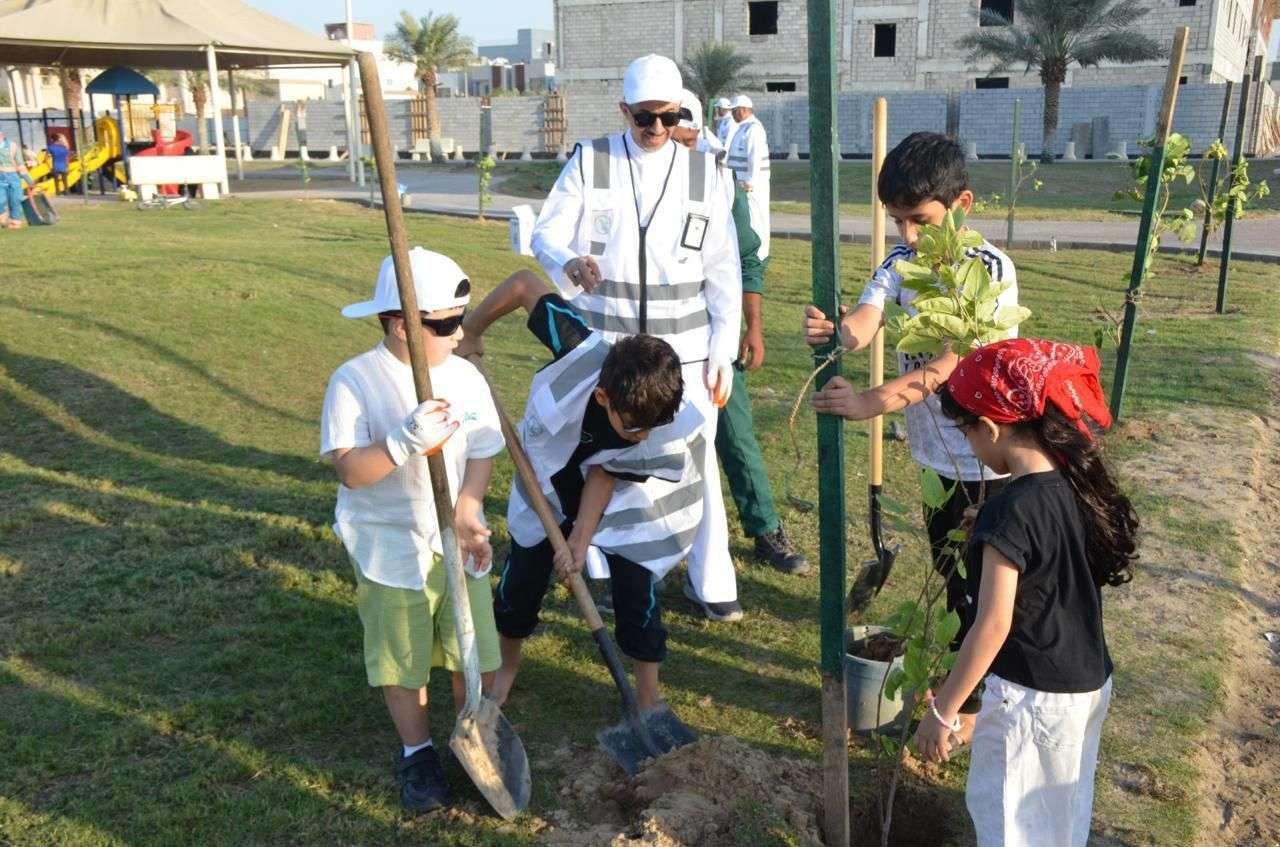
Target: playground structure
(104, 152)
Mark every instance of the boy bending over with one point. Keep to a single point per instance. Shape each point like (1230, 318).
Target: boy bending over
(616, 454)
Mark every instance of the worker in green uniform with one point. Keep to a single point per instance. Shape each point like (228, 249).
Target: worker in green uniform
(736, 443)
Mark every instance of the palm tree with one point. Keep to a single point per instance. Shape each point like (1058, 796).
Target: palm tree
(432, 44)
(1050, 35)
(712, 70)
(72, 99)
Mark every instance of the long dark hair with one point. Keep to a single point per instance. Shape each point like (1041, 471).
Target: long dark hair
(1110, 523)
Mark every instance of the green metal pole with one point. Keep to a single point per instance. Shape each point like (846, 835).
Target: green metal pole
(824, 194)
(1014, 167)
(1213, 178)
(1237, 157)
(1143, 246)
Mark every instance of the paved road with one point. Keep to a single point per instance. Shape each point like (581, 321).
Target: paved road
(453, 191)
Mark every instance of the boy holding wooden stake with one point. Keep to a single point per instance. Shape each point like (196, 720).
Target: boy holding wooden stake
(923, 178)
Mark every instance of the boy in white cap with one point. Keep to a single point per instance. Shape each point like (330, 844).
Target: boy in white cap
(749, 161)
(377, 436)
(637, 234)
(725, 124)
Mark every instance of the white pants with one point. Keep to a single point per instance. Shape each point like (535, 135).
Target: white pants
(1032, 765)
(710, 566)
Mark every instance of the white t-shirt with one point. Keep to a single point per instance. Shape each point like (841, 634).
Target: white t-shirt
(389, 528)
(935, 441)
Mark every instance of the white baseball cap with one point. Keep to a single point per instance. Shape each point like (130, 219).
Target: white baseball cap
(722, 103)
(742, 101)
(690, 101)
(652, 77)
(438, 283)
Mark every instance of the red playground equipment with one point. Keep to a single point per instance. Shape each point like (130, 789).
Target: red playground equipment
(180, 144)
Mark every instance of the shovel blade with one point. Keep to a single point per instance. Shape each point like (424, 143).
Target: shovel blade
(487, 747)
(647, 735)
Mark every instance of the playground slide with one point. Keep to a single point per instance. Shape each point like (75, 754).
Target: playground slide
(104, 150)
(178, 146)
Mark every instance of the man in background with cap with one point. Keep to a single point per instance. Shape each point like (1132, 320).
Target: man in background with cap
(638, 235)
(736, 444)
(377, 436)
(725, 124)
(749, 161)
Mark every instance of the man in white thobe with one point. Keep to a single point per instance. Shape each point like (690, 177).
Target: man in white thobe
(638, 235)
(749, 160)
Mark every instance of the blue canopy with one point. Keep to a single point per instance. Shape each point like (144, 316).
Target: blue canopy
(121, 81)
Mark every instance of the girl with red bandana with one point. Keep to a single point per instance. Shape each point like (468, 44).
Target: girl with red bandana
(1038, 555)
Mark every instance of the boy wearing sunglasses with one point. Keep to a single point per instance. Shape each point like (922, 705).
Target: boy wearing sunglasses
(615, 450)
(377, 436)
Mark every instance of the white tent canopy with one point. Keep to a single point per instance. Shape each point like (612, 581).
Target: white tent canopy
(179, 34)
(156, 34)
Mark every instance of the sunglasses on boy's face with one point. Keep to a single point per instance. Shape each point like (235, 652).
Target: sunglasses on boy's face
(443, 327)
(644, 118)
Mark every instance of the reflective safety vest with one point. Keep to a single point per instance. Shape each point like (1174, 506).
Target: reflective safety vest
(740, 154)
(653, 276)
(652, 523)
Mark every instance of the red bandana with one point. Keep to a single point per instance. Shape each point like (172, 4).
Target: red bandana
(1010, 382)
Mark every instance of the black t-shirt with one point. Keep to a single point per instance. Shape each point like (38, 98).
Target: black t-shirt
(1056, 642)
(560, 329)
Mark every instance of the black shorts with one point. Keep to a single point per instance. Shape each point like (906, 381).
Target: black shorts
(637, 614)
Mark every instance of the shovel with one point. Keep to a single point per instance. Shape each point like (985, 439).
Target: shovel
(641, 735)
(874, 573)
(483, 741)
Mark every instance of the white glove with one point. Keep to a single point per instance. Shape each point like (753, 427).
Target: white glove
(718, 377)
(425, 431)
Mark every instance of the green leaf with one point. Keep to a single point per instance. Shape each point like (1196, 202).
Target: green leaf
(933, 493)
(887, 745)
(911, 271)
(1008, 317)
(893, 507)
(958, 535)
(915, 345)
(948, 627)
(893, 682)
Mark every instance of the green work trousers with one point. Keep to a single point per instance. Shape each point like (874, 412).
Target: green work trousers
(743, 463)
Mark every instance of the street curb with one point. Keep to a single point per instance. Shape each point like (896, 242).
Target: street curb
(1062, 244)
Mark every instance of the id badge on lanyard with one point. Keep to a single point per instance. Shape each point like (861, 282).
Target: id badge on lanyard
(695, 231)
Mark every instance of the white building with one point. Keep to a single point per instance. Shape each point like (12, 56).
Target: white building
(882, 44)
(399, 80)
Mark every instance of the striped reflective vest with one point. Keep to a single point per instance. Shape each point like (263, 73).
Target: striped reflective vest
(652, 523)
(653, 278)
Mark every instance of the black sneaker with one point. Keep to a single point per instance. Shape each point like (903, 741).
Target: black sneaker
(730, 611)
(775, 548)
(421, 778)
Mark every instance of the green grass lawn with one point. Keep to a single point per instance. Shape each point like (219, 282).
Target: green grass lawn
(1082, 191)
(179, 651)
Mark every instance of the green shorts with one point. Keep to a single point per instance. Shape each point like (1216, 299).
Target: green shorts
(407, 632)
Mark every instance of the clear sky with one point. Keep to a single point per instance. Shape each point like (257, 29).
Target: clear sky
(486, 21)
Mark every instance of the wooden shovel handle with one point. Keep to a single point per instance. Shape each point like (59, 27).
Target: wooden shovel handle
(879, 141)
(376, 111)
(533, 492)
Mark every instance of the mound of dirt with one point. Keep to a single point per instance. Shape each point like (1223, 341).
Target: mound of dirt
(715, 792)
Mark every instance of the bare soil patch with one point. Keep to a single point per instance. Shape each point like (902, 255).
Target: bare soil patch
(713, 793)
(1215, 465)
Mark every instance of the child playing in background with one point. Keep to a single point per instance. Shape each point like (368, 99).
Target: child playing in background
(1038, 555)
(377, 436)
(60, 154)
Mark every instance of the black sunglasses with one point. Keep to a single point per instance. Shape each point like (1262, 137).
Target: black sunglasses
(443, 327)
(644, 118)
